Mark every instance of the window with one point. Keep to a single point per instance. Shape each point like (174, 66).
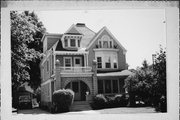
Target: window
(121, 84)
(111, 86)
(73, 43)
(115, 65)
(99, 62)
(78, 43)
(108, 64)
(77, 61)
(67, 62)
(110, 44)
(107, 86)
(66, 42)
(105, 44)
(100, 86)
(115, 86)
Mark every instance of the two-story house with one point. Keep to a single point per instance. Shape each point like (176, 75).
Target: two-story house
(84, 61)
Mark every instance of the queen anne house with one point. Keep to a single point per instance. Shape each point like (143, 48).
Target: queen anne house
(89, 63)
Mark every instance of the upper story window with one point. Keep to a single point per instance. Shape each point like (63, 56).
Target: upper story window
(99, 62)
(108, 63)
(66, 42)
(78, 43)
(105, 42)
(72, 42)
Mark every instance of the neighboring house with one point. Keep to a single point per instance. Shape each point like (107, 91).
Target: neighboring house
(84, 61)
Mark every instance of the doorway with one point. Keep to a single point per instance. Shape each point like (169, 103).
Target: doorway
(80, 88)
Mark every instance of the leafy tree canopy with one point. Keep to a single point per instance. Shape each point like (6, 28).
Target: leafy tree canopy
(26, 48)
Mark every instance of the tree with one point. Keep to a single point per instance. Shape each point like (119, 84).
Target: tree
(159, 86)
(149, 82)
(26, 48)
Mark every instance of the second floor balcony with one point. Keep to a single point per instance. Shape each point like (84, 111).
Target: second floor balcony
(77, 70)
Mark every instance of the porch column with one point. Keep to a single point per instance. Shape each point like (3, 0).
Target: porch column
(94, 69)
(58, 77)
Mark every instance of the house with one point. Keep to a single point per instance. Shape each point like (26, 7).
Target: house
(89, 63)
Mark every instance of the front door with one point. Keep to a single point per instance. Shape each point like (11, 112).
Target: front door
(76, 89)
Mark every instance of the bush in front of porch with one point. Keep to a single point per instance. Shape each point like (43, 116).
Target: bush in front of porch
(62, 100)
(100, 101)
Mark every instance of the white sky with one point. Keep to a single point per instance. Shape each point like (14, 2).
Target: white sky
(140, 31)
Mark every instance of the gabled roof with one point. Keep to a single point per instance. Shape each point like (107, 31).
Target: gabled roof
(99, 33)
(87, 33)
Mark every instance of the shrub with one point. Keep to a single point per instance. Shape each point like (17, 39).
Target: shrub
(99, 102)
(120, 100)
(62, 100)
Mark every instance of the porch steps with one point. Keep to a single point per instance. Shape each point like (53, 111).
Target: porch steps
(80, 106)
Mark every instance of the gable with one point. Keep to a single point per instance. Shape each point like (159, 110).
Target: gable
(73, 30)
(51, 42)
(104, 33)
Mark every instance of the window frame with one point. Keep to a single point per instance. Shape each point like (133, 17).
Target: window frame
(65, 44)
(99, 62)
(65, 61)
(72, 39)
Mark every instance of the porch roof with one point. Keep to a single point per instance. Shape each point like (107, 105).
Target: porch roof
(121, 73)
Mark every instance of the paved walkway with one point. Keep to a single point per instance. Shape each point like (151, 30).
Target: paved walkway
(121, 110)
(80, 106)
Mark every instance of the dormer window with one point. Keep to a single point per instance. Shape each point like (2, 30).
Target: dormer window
(78, 43)
(66, 42)
(72, 42)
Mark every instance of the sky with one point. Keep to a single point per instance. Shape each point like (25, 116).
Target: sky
(140, 31)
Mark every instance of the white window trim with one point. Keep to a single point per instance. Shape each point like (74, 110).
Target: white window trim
(80, 60)
(101, 62)
(67, 58)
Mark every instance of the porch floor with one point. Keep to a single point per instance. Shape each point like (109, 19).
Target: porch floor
(80, 106)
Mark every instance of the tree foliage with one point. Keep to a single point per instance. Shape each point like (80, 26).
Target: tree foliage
(148, 81)
(26, 48)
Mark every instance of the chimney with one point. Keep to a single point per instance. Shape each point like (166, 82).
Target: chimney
(80, 25)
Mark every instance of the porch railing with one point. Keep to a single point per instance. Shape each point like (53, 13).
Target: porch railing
(75, 69)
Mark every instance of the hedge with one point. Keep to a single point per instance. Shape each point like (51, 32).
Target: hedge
(100, 101)
(62, 100)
